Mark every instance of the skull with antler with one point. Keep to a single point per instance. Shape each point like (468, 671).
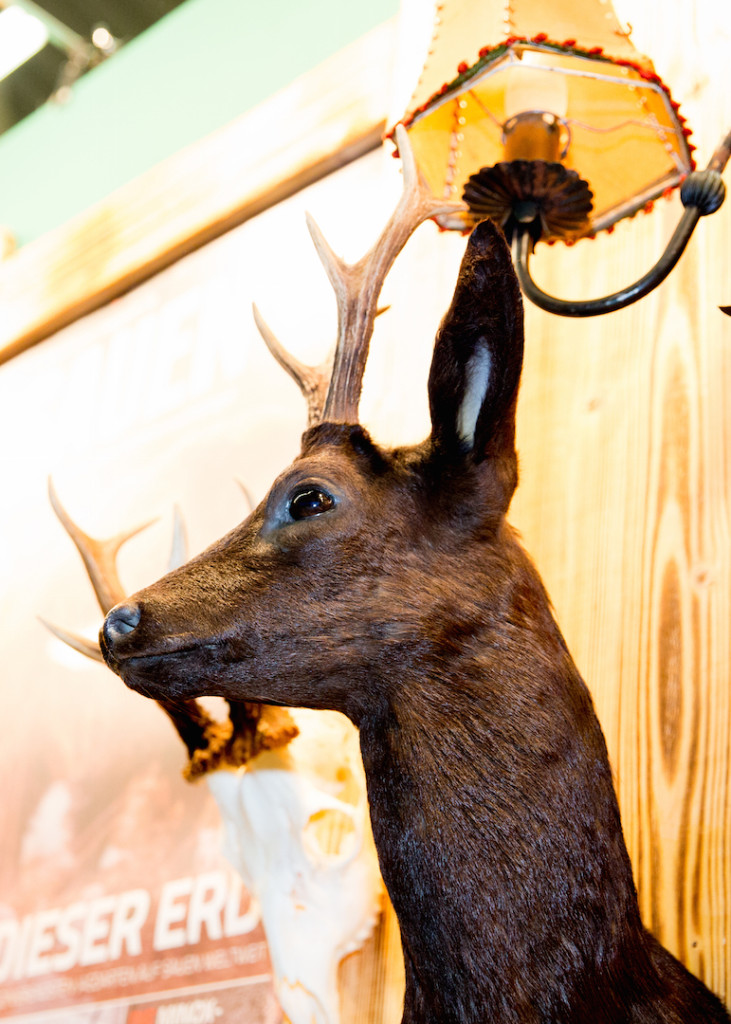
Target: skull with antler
(290, 785)
(295, 815)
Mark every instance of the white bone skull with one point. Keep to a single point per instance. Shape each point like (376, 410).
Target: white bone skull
(298, 832)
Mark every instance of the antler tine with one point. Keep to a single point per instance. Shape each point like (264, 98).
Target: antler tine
(358, 285)
(179, 548)
(99, 556)
(247, 494)
(79, 643)
(312, 380)
(336, 269)
(332, 389)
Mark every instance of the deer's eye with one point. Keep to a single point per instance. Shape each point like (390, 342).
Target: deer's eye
(310, 501)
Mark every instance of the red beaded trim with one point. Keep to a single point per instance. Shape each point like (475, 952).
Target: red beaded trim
(489, 53)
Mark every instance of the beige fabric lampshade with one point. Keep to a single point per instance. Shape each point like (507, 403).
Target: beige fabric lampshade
(620, 130)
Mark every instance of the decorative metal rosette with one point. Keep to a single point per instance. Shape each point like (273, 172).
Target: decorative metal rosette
(548, 197)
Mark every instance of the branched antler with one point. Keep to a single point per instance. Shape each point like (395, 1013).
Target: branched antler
(99, 556)
(332, 389)
(312, 380)
(211, 744)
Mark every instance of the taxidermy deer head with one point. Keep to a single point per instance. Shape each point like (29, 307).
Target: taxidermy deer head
(387, 584)
(291, 793)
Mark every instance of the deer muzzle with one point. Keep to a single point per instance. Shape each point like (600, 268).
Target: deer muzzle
(121, 620)
(119, 625)
(132, 653)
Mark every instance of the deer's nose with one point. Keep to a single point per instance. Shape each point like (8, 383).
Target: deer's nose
(122, 619)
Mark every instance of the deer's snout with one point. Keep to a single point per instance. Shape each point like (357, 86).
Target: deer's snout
(121, 620)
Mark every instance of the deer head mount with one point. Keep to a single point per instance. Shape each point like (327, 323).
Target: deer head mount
(387, 584)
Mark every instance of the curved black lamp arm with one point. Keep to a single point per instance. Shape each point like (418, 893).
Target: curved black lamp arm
(702, 193)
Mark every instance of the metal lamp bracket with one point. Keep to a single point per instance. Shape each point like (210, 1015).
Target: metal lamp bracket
(701, 193)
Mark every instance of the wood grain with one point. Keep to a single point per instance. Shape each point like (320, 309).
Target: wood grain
(625, 440)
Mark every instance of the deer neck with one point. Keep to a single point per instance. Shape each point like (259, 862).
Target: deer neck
(480, 773)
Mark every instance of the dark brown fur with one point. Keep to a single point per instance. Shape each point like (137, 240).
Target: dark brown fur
(411, 607)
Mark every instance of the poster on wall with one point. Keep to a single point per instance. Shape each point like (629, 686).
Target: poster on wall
(117, 904)
(116, 901)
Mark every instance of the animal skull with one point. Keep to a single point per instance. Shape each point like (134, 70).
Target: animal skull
(298, 832)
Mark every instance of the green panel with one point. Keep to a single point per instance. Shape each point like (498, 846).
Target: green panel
(198, 68)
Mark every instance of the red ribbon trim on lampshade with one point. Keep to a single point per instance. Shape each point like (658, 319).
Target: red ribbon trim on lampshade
(488, 54)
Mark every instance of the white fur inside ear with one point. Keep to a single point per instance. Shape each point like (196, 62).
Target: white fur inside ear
(477, 379)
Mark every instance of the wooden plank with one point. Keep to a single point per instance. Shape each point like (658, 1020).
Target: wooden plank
(321, 121)
(625, 502)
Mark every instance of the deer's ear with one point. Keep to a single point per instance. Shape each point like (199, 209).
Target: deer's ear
(473, 381)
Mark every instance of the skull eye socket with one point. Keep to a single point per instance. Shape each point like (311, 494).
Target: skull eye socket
(310, 501)
(331, 837)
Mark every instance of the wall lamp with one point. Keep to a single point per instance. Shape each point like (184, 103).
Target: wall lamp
(556, 129)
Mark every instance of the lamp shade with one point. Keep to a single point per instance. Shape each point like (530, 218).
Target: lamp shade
(555, 81)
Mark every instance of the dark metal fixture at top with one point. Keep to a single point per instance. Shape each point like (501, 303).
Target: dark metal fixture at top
(556, 129)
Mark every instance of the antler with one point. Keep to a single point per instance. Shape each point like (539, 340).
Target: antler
(211, 744)
(99, 556)
(332, 389)
(311, 380)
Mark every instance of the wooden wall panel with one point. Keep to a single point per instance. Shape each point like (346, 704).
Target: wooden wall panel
(625, 503)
